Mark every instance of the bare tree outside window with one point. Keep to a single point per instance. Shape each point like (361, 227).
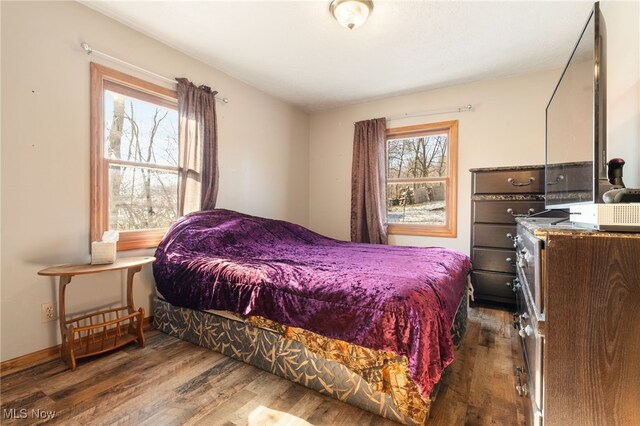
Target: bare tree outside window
(416, 201)
(420, 179)
(142, 152)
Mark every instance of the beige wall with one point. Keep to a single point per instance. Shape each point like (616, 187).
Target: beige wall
(45, 157)
(506, 127)
(622, 20)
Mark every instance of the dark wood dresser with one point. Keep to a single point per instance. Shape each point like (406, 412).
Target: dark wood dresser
(578, 316)
(499, 196)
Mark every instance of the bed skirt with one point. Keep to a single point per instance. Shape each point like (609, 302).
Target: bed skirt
(271, 351)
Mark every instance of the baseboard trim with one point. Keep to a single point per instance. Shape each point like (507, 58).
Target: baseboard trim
(44, 355)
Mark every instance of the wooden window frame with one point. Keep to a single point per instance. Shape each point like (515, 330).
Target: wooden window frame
(103, 78)
(449, 229)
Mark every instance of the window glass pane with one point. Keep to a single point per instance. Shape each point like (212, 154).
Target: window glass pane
(141, 198)
(416, 157)
(135, 130)
(416, 203)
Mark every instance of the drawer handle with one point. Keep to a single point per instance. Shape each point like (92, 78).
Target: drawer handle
(514, 182)
(527, 214)
(519, 390)
(522, 390)
(514, 285)
(513, 239)
(525, 331)
(559, 179)
(517, 320)
(522, 259)
(510, 261)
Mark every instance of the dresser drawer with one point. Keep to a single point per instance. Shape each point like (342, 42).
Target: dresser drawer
(488, 259)
(492, 283)
(493, 235)
(509, 182)
(504, 211)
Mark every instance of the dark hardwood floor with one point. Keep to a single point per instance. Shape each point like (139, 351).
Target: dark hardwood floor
(171, 382)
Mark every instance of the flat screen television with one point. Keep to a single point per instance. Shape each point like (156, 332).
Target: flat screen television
(575, 143)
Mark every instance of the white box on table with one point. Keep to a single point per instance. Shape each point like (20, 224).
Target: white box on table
(103, 252)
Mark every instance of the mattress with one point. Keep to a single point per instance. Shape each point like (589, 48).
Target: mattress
(396, 300)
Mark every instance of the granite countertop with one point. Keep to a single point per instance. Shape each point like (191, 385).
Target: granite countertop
(497, 169)
(545, 227)
(507, 197)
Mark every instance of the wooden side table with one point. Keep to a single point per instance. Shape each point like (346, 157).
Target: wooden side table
(99, 331)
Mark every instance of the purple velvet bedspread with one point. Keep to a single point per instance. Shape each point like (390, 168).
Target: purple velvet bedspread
(398, 299)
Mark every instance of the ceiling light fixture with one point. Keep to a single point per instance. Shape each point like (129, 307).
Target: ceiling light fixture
(351, 13)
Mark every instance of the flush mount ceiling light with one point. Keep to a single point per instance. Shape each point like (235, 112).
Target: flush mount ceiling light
(351, 13)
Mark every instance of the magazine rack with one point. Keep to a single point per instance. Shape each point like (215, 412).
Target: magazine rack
(99, 331)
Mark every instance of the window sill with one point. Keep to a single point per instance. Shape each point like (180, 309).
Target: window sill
(422, 231)
(133, 240)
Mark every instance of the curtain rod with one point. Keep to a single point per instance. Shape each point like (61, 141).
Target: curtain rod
(465, 108)
(89, 50)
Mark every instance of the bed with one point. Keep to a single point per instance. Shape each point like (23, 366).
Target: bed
(371, 325)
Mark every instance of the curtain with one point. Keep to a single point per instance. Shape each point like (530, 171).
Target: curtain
(368, 183)
(198, 155)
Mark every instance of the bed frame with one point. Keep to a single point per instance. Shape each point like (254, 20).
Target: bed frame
(270, 351)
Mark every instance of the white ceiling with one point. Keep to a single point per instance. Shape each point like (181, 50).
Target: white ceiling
(297, 52)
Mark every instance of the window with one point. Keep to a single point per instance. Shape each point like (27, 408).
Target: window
(134, 158)
(421, 179)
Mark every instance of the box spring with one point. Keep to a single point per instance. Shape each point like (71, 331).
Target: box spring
(291, 359)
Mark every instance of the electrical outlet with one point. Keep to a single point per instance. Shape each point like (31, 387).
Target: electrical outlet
(48, 312)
